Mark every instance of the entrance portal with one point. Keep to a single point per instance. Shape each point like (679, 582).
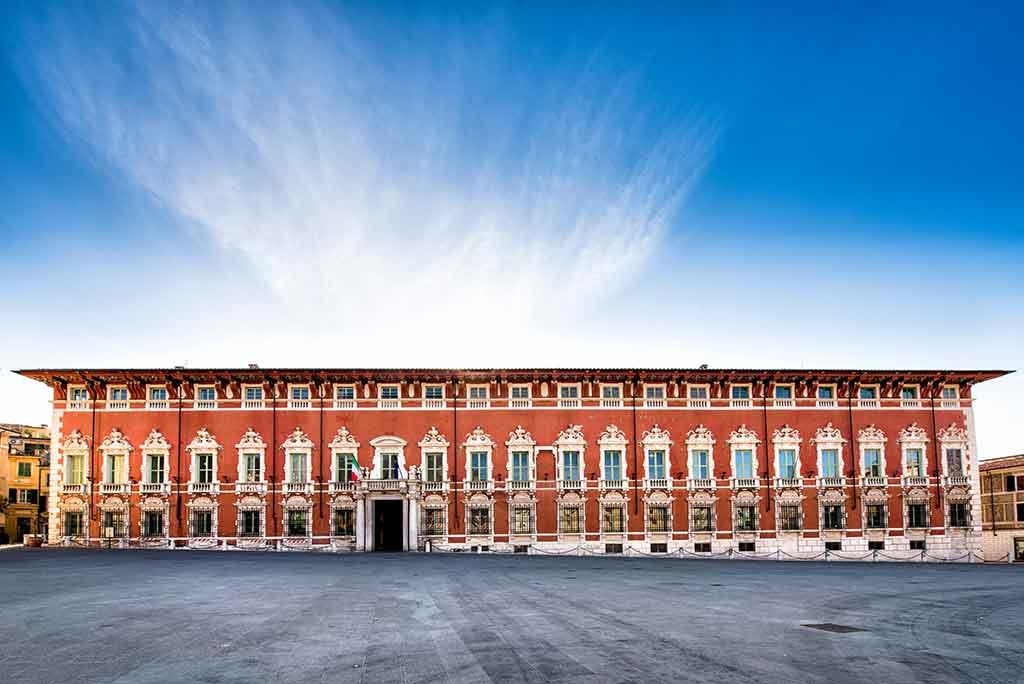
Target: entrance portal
(387, 525)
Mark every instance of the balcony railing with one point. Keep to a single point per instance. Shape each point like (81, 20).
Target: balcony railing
(874, 481)
(433, 403)
(568, 485)
(958, 480)
(915, 480)
(344, 403)
(657, 483)
(698, 403)
(700, 483)
(611, 403)
(205, 404)
(80, 405)
(569, 403)
(478, 403)
(335, 487)
(868, 403)
(826, 403)
(910, 403)
(784, 403)
(389, 403)
(613, 484)
(479, 485)
(299, 403)
(297, 487)
(653, 402)
(250, 487)
(157, 405)
(74, 489)
(744, 483)
(788, 482)
(741, 403)
(519, 485)
(117, 405)
(520, 403)
(252, 404)
(950, 403)
(832, 481)
(383, 485)
(435, 486)
(115, 488)
(203, 488)
(154, 488)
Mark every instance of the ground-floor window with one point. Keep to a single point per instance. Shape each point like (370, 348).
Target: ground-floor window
(876, 546)
(700, 518)
(522, 520)
(434, 523)
(344, 522)
(958, 515)
(74, 525)
(153, 523)
(249, 523)
(657, 519)
(113, 524)
(297, 523)
(612, 519)
(746, 519)
(201, 524)
(789, 517)
(569, 520)
(917, 545)
(479, 521)
(832, 516)
(874, 516)
(917, 515)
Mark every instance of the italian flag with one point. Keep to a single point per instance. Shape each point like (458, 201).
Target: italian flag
(354, 472)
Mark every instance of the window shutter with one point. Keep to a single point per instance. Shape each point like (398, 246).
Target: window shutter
(12, 495)
(33, 496)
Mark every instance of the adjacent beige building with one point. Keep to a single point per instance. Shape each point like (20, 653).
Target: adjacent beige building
(1002, 507)
(24, 480)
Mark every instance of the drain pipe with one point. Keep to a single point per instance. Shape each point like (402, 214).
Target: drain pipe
(320, 477)
(636, 471)
(455, 444)
(767, 474)
(177, 474)
(854, 452)
(938, 457)
(273, 452)
(92, 456)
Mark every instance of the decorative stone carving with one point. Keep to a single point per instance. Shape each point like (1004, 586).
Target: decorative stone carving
(155, 442)
(76, 442)
(520, 437)
(743, 436)
(297, 440)
(571, 434)
(433, 439)
(612, 435)
(871, 435)
(913, 434)
(786, 435)
(700, 436)
(953, 434)
(657, 437)
(343, 438)
(478, 438)
(204, 441)
(115, 441)
(829, 434)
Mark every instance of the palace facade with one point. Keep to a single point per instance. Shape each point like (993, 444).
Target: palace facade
(528, 460)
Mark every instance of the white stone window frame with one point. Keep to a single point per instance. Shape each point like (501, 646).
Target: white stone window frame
(478, 402)
(530, 506)
(296, 502)
(746, 499)
(913, 437)
(611, 402)
(875, 402)
(251, 503)
(791, 399)
(483, 503)
(155, 445)
(397, 386)
(579, 505)
(570, 439)
(954, 437)
(118, 404)
(521, 440)
(911, 402)
(298, 442)
(570, 402)
(344, 504)
(521, 385)
(203, 443)
(744, 439)
(698, 386)
(700, 439)
(669, 518)
(870, 437)
(826, 402)
(741, 402)
(75, 445)
(154, 505)
(613, 439)
(115, 444)
(344, 447)
(825, 438)
(949, 402)
(251, 443)
(344, 403)
(203, 503)
(157, 404)
(785, 438)
(81, 404)
(387, 444)
(478, 441)
(204, 403)
(298, 402)
(614, 503)
(434, 442)
(656, 439)
(655, 402)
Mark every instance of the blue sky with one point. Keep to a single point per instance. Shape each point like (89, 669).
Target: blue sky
(504, 185)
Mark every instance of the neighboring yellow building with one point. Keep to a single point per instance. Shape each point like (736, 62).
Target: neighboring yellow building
(1002, 500)
(24, 480)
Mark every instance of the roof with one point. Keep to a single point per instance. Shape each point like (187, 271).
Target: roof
(1002, 463)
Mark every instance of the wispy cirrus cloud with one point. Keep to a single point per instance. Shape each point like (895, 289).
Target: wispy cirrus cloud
(368, 169)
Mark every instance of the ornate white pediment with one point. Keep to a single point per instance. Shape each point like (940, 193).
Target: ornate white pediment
(953, 434)
(343, 438)
(829, 434)
(871, 435)
(573, 434)
(204, 441)
(297, 440)
(743, 436)
(478, 438)
(520, 437)
(115, 442)
(156, 442)
(76, 442)
(786, 435)
(612, 435)
(657, 437)
(700, 436)
(434, 439)
(913, 434)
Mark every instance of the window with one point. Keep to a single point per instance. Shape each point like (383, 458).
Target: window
(204, 468)
(345, 392)
(118, 394)
(521, 466)
(874, 517)
(1011, 483)
(613, 465)
(746, 520)
(433, 522)
(830, 463)
(113, 524)
(954, 462)
(739, 392)
(297, 463)
(868, 392)
(657, 519)
(660, 547)
(389, 466)
(478, 392)
(24, 469)
(789, 517)
(568, 391)
(698, 391)
(826, 392)
(78, 394)
(570, 465)
(520, 392)
(613, 548)
(75, 469)
(206, 394)
(300, 393)
(909, 392)
(296, 523)
(345, 467)
(656, 464)
(611, 392)
(73, 525)
(479, 521)
(156, 469)
(344, 522)
(613, 519)
(833, 546)
(253, 468)
(787, 464)
(743, 463)
(522, 520)
(157, 394)
(389, 392)
(254, 394)
(153, 524)
(115, 469)
(249, 524)
(958, 514)
(201, 524)
(569, 520)
(917, 545)
(917, 515)
(747, 547)
(950, 392)
(783, 391)
(702, 547)
(479, 466)
(700, 467)
(700, 518)
(876, 545)
(654, 391)
(832, 516)
(1020, 512)
(435, 466)
(873, 463)
(433, 391)
(913, 463)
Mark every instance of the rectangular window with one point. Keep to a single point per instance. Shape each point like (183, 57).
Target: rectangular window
(747, 547)
(207, 394)
(657, 519)
(479, 466)
(832, 516)
(254, 394)
(787, 463)
(75, 471)
(204, 466)
(744, 463)
(656, 464)
(520, 392)
(700, 468)
(833, 546)
(478, 392)
(873, 463)
(115, 469)
(954, 462)
(783, 391)
(868, 393)
(611, 392)
(157, 394)
(660, 547)
(746, 520)
(300, 393)
(569, 520)
(522, 520)
(740, 392)
(434, 522)
(521, 466)
(568, 391)
(958, 515)
(613, 465)
(156, 469)
(874, 516)
(73, 525)
(1011, 483)
(389, 392)
(830, 463)
(908, 393)
(24, 469)
(698, 391)
(570, 465)
(297, 523)
(250, 524)
(700, 518)
(789, 517)
(253, 468)
(917, 515)
(702, 547)
(153, 524)
(826, 392)
(950, 392)
(297, 461)
(1020, 512)
(613, 548)
(201, 524)
(654, 391)
(344, 522)
(389, 466)
(613, 519)
(433, 391)
(479, 521)
(876, 545)
(917, 545)
(79, 394)
(118, 394)
(913, 462)
(113, 524)
(435, 466)
(345, 392)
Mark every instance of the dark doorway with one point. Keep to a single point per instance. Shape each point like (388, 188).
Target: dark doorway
(387, 525)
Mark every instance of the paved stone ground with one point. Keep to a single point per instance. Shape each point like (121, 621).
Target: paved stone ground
(160, 616)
